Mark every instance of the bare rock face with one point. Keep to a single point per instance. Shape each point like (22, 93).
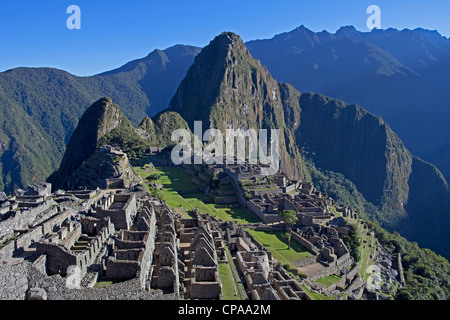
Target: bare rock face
(105, 164)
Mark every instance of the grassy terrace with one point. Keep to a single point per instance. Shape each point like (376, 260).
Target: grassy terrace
(276, 243)
(329, 280)
(366, 248)
(181, 194)
(232, 288)
(366, 251)
(314, 295)
(228, 286)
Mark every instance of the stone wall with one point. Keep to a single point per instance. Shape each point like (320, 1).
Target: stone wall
(133, 255)
(305, 262)
(60, 256)
(205, 283)
(122, 216)
(238, 190)
(308, 245)
(121, 269)
(266, 218)
(225, 199)
(34, 235)
(342, 265)
(23, 219)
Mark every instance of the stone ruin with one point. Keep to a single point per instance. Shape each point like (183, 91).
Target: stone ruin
(76, 242)
(264, 277)
(166, 263)
(121, 208)
(186, 256)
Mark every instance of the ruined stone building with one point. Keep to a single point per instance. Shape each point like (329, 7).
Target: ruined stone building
(264, 278)
(168, 270)
(120, 208)
(133, 250)
(76, 242)
(201, 250)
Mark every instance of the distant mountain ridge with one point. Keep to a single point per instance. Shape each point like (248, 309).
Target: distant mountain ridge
(371, 69)
(50, 102)
(399, 75)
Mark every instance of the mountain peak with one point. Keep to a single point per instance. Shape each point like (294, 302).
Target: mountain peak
(231, 36)
(102, 123)
(346, 31)
(302, 28)
(226, 41)
(222, 67)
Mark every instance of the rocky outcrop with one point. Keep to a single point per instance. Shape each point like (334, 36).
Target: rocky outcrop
(102, 123)
(158, 130)
(105, 164)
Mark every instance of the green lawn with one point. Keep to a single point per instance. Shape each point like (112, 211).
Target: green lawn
(315, 295)
(329, 280)
(226, 278)
(230, 290)
(276, 243)
(336, 213)
(107, 282)
(366, 252)
(232, 287)
(181, 193)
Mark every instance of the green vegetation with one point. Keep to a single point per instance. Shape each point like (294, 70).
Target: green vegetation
(6, 241)
(367, 250)
(159, 128)
(329, 280)
(427, 274)
(347, 152)
(26, 152)
(342, 190)
(315, 295)
(277, 244)
(42, 106)
(182, 195)
(226, 278)
(290, 218)
(102, 123)
(124, 136)
(107, 282)
(154, 176)
(232, 288)
(353, 243)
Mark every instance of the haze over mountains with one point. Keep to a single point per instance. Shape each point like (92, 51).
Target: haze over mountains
(50, 102)
(347, 151)
(401, 76)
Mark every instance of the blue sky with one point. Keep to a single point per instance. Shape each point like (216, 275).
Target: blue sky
(34, 33)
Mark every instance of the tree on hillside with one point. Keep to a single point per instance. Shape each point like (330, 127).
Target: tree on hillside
(290, 218)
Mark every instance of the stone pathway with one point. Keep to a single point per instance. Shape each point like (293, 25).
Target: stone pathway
(13, 281)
